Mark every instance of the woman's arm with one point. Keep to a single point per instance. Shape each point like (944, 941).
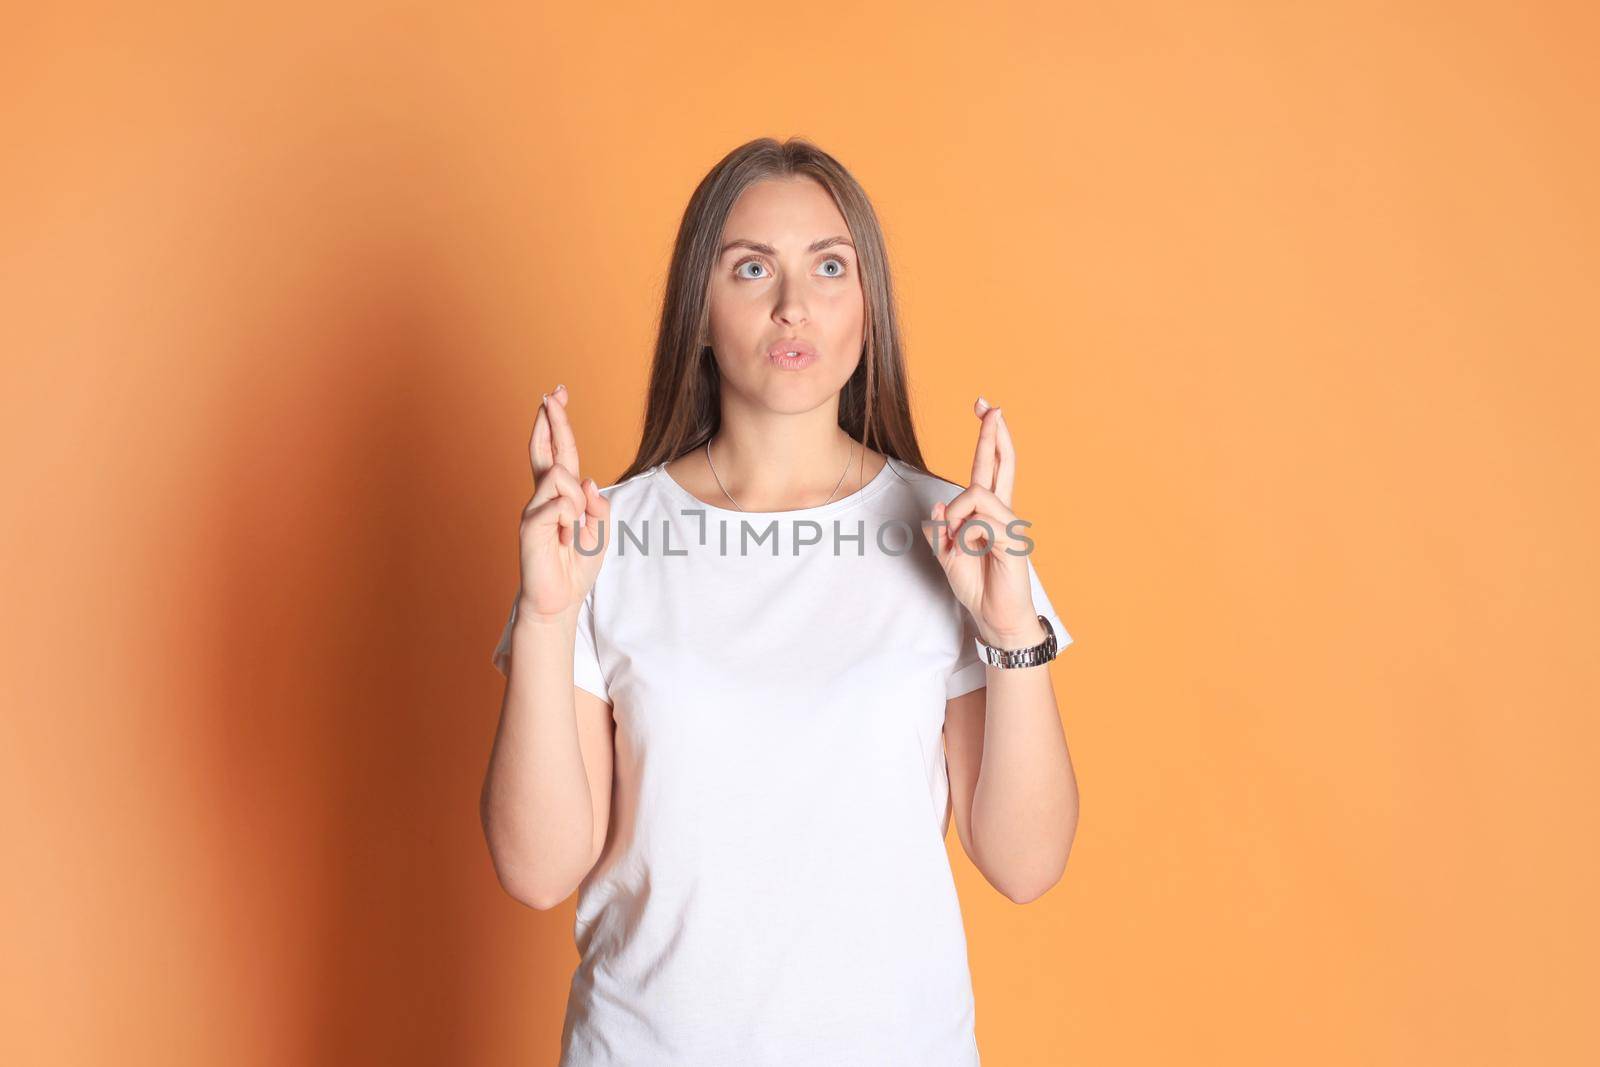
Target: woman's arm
(1012, 789)
(547, 795)
(1011, 782)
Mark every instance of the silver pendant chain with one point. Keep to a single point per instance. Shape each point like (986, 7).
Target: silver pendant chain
(729, 495)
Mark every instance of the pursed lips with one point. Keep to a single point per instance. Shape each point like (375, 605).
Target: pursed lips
(798, 346)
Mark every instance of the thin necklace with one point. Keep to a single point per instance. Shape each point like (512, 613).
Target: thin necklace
(729, 495)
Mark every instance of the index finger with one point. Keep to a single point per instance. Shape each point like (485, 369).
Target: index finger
(541, 447)
(1005, 477)
(984, 459)
(566, 445)
(540, 453)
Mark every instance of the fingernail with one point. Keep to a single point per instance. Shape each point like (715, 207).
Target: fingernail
(983, 403)
(559, 388)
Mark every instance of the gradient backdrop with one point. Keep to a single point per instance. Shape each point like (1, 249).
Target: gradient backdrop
(1293, 316)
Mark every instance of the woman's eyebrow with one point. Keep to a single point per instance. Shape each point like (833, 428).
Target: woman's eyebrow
(757, 246)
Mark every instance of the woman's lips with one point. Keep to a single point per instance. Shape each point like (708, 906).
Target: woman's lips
(804, 354)
(795, 362)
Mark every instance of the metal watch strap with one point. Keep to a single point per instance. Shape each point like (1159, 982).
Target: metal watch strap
(1043, 652)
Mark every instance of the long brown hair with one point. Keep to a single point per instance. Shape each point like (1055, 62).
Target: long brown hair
(684, 410)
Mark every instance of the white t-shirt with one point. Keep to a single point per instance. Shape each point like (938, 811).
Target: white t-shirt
(775, 888)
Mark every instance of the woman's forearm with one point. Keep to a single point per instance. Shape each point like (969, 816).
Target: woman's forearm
(536, 808)
(1025, 803)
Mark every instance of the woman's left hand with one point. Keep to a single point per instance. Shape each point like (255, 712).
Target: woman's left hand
(991, 582)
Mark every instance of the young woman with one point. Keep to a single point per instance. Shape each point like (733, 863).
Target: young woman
(749, 682)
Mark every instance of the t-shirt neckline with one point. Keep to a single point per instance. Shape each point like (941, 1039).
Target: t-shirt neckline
(871, 489)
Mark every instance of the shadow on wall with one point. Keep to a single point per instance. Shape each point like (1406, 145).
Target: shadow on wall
(351, 705)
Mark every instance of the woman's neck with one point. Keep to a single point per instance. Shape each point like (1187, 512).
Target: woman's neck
(776, 471)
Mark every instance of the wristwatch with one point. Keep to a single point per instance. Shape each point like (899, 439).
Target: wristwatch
(1043, 652)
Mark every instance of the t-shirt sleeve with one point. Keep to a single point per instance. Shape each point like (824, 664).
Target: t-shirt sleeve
(586, 672)
(968, 672)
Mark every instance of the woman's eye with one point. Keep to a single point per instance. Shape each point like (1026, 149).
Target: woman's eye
(838, 269)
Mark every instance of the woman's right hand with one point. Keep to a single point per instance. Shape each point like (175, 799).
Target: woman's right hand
(556, 576)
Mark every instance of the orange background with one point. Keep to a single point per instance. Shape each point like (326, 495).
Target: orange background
(1293, 317)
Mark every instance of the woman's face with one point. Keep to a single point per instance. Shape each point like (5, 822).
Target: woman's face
(786, 269)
